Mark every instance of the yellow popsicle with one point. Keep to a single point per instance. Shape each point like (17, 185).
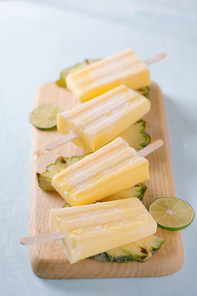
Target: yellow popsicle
(112, 168)
(93, 229)
(102, 119)
(122, 68)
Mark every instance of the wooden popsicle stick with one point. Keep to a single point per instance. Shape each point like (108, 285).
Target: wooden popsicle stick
(40, 239)
(49, 237)
(150, 148)
(156, 58)
(65, 139)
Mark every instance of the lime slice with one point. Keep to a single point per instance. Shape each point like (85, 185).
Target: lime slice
(45, 116)
(171, 213)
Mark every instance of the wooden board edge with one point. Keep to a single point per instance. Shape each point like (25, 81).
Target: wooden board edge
(40, 267)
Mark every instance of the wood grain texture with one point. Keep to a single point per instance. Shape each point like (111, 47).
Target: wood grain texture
(48, 260)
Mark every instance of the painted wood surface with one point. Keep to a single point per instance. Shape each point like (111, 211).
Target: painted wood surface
(48, 260)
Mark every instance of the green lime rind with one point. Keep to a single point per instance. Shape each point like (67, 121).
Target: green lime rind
(162, 212)
(45, 128)
(44, 117)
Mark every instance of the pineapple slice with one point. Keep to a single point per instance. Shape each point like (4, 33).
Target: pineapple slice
(140, 251)
(135, 135)
(136, 191)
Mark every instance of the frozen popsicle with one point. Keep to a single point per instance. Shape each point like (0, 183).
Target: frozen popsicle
(124, 67)
(90, 230)
(95, 123)
(112, 168)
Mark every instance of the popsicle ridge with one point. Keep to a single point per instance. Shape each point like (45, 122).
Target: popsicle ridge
(84, 212)
(127, 68)
(96, 158)
(105, 64)
(113, 168)
(113, 112)
(107, 73)
(123, 68)
(97, 173)
(102, 119)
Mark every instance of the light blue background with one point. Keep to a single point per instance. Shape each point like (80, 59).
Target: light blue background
(38, 40)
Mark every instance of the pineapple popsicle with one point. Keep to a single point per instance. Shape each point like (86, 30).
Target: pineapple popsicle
(93, 229)
(122, 68)
(112, 168)
(99, 121)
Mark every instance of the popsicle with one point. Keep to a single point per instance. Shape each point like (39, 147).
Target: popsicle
(124, 67)
(97, 122)
(112, 168)
(90, 230)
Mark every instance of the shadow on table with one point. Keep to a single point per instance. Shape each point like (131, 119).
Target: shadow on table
(182, 135)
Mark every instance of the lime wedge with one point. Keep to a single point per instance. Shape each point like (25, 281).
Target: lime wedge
(171, 213)
(45, 116)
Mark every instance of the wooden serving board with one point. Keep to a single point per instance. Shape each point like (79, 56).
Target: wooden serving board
(48, 260)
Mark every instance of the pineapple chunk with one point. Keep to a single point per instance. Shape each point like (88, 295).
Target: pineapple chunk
(135, 191)
(140, 251)
(135, 135)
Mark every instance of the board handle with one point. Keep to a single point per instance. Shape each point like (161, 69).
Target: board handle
(65, 139)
